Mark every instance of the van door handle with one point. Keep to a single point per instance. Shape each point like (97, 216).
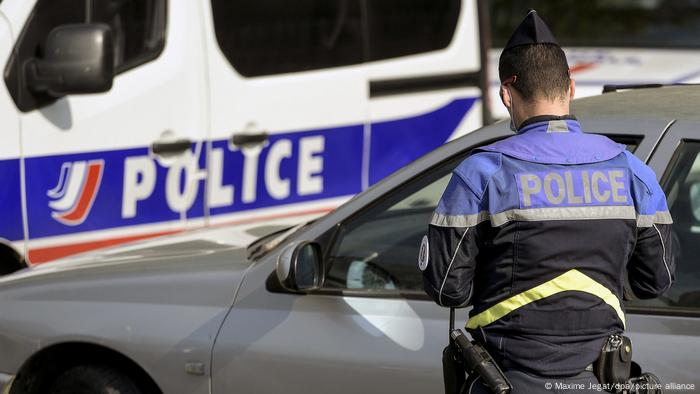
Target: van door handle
(244, 139)
(171, 148)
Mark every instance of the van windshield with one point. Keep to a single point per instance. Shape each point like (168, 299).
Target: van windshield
(605, 23)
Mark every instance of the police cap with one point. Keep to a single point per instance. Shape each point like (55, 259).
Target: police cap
(532, 30)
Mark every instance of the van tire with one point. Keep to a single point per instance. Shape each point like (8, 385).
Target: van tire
(93, 380)
(10, 260)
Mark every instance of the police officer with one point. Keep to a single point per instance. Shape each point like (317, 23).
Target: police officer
(538, 231)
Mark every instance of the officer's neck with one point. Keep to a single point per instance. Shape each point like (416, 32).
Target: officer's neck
(534, 108)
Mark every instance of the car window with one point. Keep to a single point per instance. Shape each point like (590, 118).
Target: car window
(377, 250)
(630, 141)
(682, 186)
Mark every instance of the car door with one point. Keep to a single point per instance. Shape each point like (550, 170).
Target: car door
(12, 226)
(665, 330)
(288, 104)
(96, 166)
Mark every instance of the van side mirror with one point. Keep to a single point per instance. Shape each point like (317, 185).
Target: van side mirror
(299, 267)
(78, 58)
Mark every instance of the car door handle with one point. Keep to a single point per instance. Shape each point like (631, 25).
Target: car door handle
(171, 148)
(244, 139)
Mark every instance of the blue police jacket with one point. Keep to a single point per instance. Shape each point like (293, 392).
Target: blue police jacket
(538, 232)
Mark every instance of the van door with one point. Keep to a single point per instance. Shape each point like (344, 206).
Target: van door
(11, 225)
(425, 78)
(288, 104)
(124, 164)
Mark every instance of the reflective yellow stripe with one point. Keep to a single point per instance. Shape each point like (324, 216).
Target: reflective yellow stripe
(571, 280)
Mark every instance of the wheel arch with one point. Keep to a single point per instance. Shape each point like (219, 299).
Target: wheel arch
(11, 259)
(41, 369)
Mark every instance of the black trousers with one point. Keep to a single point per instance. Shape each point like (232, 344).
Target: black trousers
(522, 382)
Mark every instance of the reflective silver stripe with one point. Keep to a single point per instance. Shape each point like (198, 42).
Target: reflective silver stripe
(5, 382)
(663, 217)
(441, 220)
(449, 267)
(663, 258)
(564, 213)
(558, 213)
(557, 126)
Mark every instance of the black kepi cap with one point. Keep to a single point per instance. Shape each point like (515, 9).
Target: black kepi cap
(532, 30)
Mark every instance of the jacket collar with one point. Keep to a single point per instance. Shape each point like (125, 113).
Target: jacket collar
(551, 124)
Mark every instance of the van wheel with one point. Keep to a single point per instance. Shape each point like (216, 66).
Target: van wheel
(10, 260)
(93, 380)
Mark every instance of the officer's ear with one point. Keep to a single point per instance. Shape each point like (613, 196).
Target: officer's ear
(506, 98)
(572, 89)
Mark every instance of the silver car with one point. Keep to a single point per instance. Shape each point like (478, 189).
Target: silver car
(333, 305)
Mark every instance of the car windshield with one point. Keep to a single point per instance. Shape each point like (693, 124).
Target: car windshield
(608, 23)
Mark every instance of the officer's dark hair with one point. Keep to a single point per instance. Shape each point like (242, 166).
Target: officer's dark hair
(541, 70)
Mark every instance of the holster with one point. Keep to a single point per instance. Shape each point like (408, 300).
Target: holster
(453, 373)
(616, 370)
(615, 361)
(462, 357)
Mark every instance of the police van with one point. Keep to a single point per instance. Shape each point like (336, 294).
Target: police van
(128, 119)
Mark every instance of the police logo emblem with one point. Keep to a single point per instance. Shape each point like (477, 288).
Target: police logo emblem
(423, 254)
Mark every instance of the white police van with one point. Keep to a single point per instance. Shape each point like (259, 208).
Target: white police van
(126, 119)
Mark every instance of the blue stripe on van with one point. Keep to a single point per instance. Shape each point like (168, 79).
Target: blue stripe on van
(394, 144)
(11, 227)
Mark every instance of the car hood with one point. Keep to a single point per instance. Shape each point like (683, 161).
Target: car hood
(170, 293)
(223, 247)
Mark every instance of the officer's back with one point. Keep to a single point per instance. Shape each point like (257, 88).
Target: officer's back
(539, 230)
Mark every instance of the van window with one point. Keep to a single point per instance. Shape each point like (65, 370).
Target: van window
(138, 28)
(407, 27)
(263, 37)
(266, 37)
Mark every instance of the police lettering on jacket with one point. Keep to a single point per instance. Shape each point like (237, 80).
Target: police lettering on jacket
(573, 187)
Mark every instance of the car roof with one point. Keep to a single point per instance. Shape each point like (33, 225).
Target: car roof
(669, 102)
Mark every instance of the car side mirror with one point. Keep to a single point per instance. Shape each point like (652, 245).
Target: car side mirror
(299, 267)
(78, 58)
